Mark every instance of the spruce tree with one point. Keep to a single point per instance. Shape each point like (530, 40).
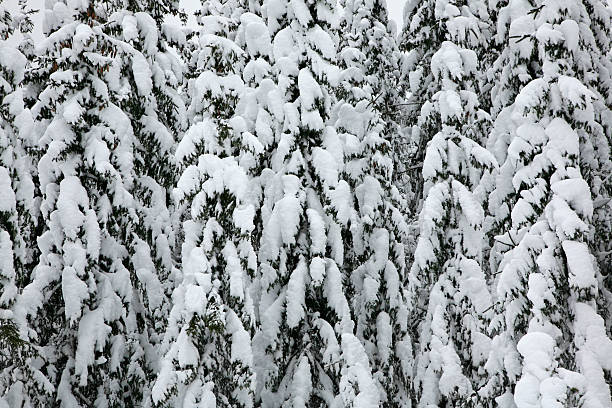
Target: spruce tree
(447, 288)
(427, 24)
(157, 116)
(373, 228)
(495, 32)
(306, 348)
(593, 66)
(20, 379)
(549, 328)
(17, 166)
(81, 306)
(449, 297)
(512, 70)
(207, 350)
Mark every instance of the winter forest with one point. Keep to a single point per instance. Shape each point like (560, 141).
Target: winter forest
(297, 203)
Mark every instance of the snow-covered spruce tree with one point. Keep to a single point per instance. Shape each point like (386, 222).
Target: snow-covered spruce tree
(551, 345)
(259, 111)
(495, 33)
(509, 73)
(19, 200)
(593, 66)
(373, 228)
(449, 298)
(153, 75)
(306, 351)
(427, 24)
(209, 358)
(366, 27)
(82, 306)
(18, 173)
(214, 82)
(156, 108)
(258, 118)
(511, 70)
(207, 350)
(516, 66)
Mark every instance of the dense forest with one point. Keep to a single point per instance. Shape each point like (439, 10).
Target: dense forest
(295, 203)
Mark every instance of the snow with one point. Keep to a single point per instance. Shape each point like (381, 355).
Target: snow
(241, 341)
(187, 352)
(473, 285)
(84, 39)
(7, 198)
(594, 354)
(283, 44)
(317, 271)
(571, 34)
(384, 335)
(447, 61)
(434, 157)
(379, 243)
(547, 34)
(364, 393)
(173, 32)
(573, 90)
(285, 245)
(74, 291)
(392, 282)
(323, 42)
(536, 383)
(271, 318)
(342, 201)
(233, 270)
(142, 74)
(129, 24)
(148, 30)
(72, 110)
(370, 289)
(199, 395)
(257, 36)
(331, 354)
(577, 194)
(325, 166)
(580, 265)
(309, 89)
(300, 10)
(284, 221)
(333, 289)
(98, 154)
(317, 232)
(72, 197)
(243, 217)
(520, 27)
(472, 210)
(301, 386)
(222, 173)
(562, 138)
(195, 299)
(93, 332)
(369, 196)
(7, 271)
(201, 132)
(13, 61)
(296, 289)
(450, 105)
